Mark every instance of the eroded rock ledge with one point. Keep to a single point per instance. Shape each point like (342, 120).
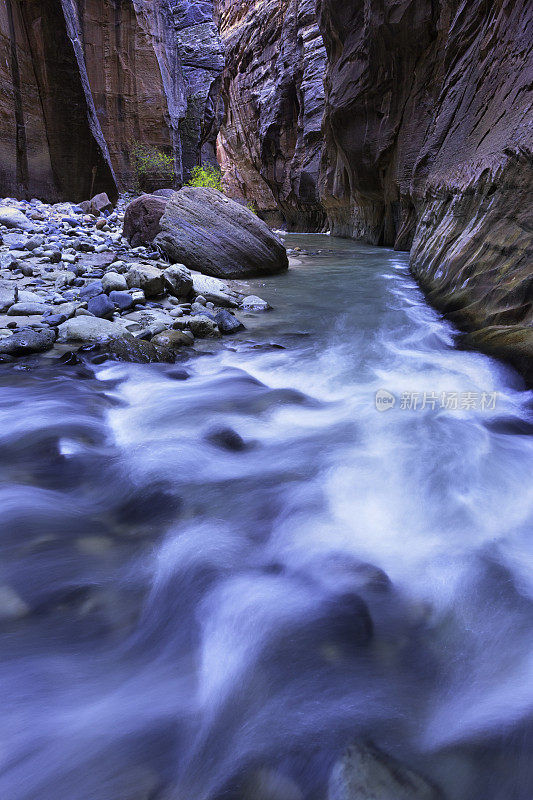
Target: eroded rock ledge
(428, 145)
(270, 141)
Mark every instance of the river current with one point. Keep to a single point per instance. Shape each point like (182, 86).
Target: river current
(246, 561)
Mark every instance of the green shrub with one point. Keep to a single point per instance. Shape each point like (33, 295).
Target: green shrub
(208, 177)
(151, 165)
(251, 206)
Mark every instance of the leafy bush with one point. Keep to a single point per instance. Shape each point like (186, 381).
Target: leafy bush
(251, 206)
(208, 177)
(151, 165)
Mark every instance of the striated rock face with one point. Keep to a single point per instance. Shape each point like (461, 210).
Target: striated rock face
(50, 137)
(428, 143)
(270, 141)
(209, 233)
(82, 81)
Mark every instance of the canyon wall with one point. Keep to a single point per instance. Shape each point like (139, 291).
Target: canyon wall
(428, 147)
(81, 81)
(270, 141)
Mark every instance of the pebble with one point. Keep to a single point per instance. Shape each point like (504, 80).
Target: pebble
(88, 284)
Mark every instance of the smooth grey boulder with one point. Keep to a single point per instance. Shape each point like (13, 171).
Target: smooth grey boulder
(178, 280)
(7, 297)
(27, 342)
(90, 329)
(13, 218)
(114, 282)
(146, 277)
(25, 309)
(365, 772)
(215, 291)
(212, 234)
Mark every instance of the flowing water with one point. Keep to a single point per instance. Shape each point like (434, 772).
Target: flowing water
(239, 562)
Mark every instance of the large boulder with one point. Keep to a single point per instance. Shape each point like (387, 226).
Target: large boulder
(142, 218)
(212, 234)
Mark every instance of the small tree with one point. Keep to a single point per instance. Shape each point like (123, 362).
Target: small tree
(207, 177)
(153, 168)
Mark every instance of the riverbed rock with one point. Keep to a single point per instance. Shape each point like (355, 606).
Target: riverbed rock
(91, 290)
(138, 351)
(27, 342)
(25, 309)
(114, 282)
(204, 327)
(8, 261)
(7, 297)
(365, 772)
(142, 219)
(122, 300)
(173, 339)
(100, 203)
(227, 323)
(254, 303)
(90, 329)
(215, 291)
(212, 234)
(146, 277)
(14, 218)
(178, 280)
(101, 306)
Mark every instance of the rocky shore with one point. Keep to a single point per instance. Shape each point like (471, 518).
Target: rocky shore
(70, 280)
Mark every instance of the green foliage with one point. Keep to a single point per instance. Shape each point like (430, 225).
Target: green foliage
(208, 177)
(251, 206)
(151, 163)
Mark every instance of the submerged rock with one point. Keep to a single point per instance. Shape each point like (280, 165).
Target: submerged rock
(212, 234)
(269, 784)
(366, 773)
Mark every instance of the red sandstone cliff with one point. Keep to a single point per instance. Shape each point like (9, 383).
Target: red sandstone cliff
(80, 81)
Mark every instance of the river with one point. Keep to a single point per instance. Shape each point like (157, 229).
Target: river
(239, 561)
